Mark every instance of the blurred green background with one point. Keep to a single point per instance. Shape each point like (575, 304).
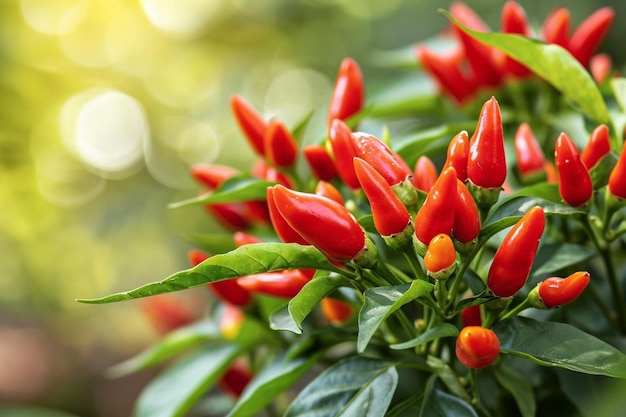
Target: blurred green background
(104, 105)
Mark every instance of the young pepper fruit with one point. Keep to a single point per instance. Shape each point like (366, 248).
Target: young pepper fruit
(457, 155)
(514, 258)
(598, 147)
(284, 284)
(514, 20)
(235, 379)
(349, 92)
(575, 186)
(340, 138)
(466, 226)
(477, 347)
(425, 174)
(530, 158)
(166, 312)
(440, 257)
(555, 292)
(617, 178)
(590, 34)
(336, 311)
(321, 163)
(281, 148)
(251, 123)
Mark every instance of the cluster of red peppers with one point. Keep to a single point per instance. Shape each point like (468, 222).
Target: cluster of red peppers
(471, 66)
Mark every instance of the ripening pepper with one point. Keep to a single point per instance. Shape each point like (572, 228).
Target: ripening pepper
(281, 148)
(325, 224)
(575, 186)
(242, 238)
(617, 178)
(457, 155)
(486, 164)
(514, 20)
(231, 321)
(284, 284)
(228, 290)
(598, 147)
(349, 92)
(530, 158)
(514, 258)
(477, 347)
(166, 312)
(326, 189)
(321, 163)
(466, 226)
(284, 231)
(425, 174)
(213, 176)
(340, 138)
(447, 71)
(263, 171)
(437, 213)
(440, 257)
(555, 28)
(471, 316)
(589, 35)
(336, 311)
(251, 123)
(374, 151)
(555, 292)
(235, 379)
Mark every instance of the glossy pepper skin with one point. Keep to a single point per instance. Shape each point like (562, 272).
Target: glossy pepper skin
(555, 291)
(340, 138)
(440, 257)
(326, 189)
(530, 158)
(486, 164)
(321, 163)
(437, 213)
(575, 186)
(446, 70)
(374, 151)
(617, 178)
(284, 231)
(590, 34)
(251, 123)
(285, 284)
(336, 311)
(514, 258)
(470, 316)
(390, 215)
(477, 347)
(598, 147)
(466, 226)
(458, 152)
(514, 20)
(349, 92)
(281, 148)
(555, 28)
(322, 222)
(425, 174)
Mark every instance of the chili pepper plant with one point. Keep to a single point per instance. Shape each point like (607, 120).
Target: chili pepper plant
(457, 250)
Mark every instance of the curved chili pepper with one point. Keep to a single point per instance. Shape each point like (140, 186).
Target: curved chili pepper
(284, 284)
(425, 174)
(212, 176)
(466, 226)
(440, 257)
(336, 311)
(242, 238)
(531, 161)
(600, 67)
(374, 151)
(284, 231)
(486, 164)
(281, 148)
(326, 189)
(231, 321)
(514, 20)
(232, 216)
(437, 213)
(349, 92)
(514, 258)
(340, 138)
(598, 147)
(166, 312)
(470, 316)
(477, 347)
(458, 153)
(617, 178)
(555, 291)
(263, 171)
(322, 222)
(590, 33)
(321, 163)
(251, 123)
(228, 290)
(555, 28)
(575, 186)
(235, 379)
(446, 70)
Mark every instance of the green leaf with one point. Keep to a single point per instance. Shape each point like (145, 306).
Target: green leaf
(176, 390)
(602, 170)
(305, 301)
(442, 404)
(31, 411)
(618, 85)
(555, 257)
(550, 62)
(409, 407)
(380, 302)
(519, 388)
(411, 148)
(481, 298)
(559, 345)
(299, 128)
(436, 332)
(169, 346)
(269, 383)
(246, 260)
(353, 387)
(232, 190)
(448, 377)
(213, 242)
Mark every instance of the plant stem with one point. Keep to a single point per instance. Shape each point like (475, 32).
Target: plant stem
(616, 291)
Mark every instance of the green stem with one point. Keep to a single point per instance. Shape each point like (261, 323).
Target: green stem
(458, 276)
(414, 264)
(515, 310)
(616, 291)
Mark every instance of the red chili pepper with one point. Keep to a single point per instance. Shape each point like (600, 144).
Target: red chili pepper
(282, 228)
(229, 290)
(437, 213)
(590, 34)
(212, 176)
(477, 347)
(349, 92)
(231, 321)
(555, 28)
(425, 174)
(322, 222)
(321, 163)
(336, 311)
(480, 56)
(251, 123)
(388, 163)
(470, 316)
(575, 186)
(232, 216)
(600, 67)
(281, 148)
(440, 257)
(242, 238)
(390, 215)
(263, 171)
(514, 21)
(446, 70)
(598, 147)
(340, 138)
(458, 153)
(326, 189)
(617, 178)
(235, 379)
(466, 225)
(555, 292)
(530, 158)
(486, 164)
(166, 312)
(514, 258)
(284, 284)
